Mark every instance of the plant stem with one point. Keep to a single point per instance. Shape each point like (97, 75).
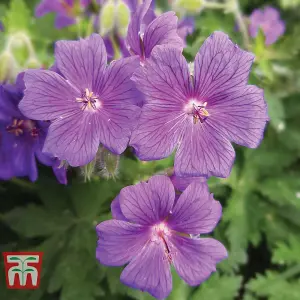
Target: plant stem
(234, 8)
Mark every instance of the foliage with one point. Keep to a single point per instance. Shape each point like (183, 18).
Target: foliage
(261, 198)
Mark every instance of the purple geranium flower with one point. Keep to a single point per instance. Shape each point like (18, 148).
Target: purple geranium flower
(22, 139)
(152, 233)
(66, 10)
(199, 113)
(91, 103)
(268, 20)
(145, 31)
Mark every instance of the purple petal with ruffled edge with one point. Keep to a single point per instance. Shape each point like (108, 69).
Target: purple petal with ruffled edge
(195, 259)
(48, 96)
(119, 242)
(82, 62)
(147, 203)
(220, 66)
(149, 271)
(195, 212)
(116, 209)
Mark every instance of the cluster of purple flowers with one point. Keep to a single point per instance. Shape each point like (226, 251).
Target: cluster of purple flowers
(22, 139)
(156, 102)
(268, 20)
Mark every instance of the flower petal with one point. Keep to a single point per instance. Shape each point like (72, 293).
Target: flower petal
(118, 114)
(181, 183)
(119, 242)
(162, 31)
(220, 66)
(165, 82)
(134, 27)
(185, 27)
(74, 138)
(203, 151)
(241, 116)
(63, 20)
(47, 96)
(82, 62)
(195, 259)
(195, 211)
(116, 210)
(157, 133)
(149, 202)
(149, 271)
(165, 78)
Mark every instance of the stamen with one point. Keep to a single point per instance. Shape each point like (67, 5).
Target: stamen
(88, 100)
(200, 113)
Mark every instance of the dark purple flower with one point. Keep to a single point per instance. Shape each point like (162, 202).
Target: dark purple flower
(145, 31)
(186, 26)
(66, 10)
(152, 233)
(200, 113)
(91, 103)
(268, 20)
(21, 139)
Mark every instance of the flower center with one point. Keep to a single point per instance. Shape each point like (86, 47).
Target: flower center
(89, 100)
(197, 110)
(19, 127)
(160, 231)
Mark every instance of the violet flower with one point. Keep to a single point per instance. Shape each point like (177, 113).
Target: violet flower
(66, 10)
(152, 234)
(91, 103)
(268, 20)
(145, 31)
(22, 139)
(200, 113)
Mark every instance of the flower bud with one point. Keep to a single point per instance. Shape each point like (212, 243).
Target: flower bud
(108, 163)
(7, 67)
(188, 6)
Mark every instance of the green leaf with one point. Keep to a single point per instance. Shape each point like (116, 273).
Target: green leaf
(18, 16)
(89, 199)
(33, 221)
(274, 286)
(276, 110)
(282, 190)
(180, 291)
(287, 253)
(218, 288)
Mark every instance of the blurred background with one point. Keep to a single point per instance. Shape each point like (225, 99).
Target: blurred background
(261, 199)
